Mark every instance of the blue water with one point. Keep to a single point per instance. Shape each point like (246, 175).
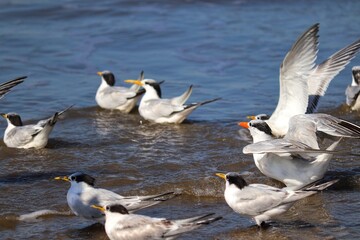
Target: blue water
(229, 49)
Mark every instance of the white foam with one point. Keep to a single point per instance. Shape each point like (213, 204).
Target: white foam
(34, 215)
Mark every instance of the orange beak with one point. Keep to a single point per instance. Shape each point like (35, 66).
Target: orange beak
(244, 124)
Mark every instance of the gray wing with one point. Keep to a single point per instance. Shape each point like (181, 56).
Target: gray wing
(19, 136)
(299, 62)
(321, 77)
(280, 146)
(140, 227)
(334, 126)
(258, 198)
(117, 96)
(163, 107)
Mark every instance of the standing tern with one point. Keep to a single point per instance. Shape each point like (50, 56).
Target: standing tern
(36, 136)
(122, 225)
(297, 160)
(153, 108)
(261, 201)
(302, 82)
(111, 97)
(82, 194)
(7, 86)
(353, 90)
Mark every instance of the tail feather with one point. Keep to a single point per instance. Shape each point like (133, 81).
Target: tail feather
(159, 197)
(201, 103)
(189, 224)
(319, 187)
(55, 117)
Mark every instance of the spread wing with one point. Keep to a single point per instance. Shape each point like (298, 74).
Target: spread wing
(321, 77)
(294, 71)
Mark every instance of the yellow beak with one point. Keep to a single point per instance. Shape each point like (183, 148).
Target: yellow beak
(98, 207)
(4, 115)
(222, 175)
(99, 73)
(137, 82)
(251, 117)
(65, 178)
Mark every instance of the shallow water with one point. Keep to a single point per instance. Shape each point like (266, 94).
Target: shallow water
(231, 49)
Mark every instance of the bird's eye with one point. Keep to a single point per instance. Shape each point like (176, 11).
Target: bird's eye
(250, 124)
(107, 208)
(72, 178)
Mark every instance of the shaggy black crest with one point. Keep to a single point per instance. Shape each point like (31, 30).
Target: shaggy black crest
(82, 177)
(117, 208)
(235, 178)
(156, 86)
(262, 126)
(109, 78)
(356, 74)
(15, 119)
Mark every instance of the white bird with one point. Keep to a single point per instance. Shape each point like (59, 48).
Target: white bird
(36, 136)
(261, 201)
(82, 194)
(122, 225)
(302, 82)
(353, 90)
(153, 108)
(7, 86)
(297, 160)
(109, 96)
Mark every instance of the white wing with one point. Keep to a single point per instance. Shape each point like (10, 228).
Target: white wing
(294, 72)
(321, 77)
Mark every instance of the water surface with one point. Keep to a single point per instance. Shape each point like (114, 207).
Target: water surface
(229, 49)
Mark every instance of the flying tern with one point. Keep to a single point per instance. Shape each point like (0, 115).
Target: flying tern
(261, 201)
(153, 108)
(122, 225)
(302, 82)
(82, 194)
(36, 136)
(109, 96)
(353, 90)
(297, 160)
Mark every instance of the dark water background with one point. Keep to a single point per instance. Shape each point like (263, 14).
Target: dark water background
(229, 49)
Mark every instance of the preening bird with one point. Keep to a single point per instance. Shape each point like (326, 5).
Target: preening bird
(36, 136)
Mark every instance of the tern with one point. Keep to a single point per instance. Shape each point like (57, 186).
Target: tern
(261, 201)
(302, 82)
(112, 97)
(122, 225)
(353, 90)
(82, 194)
(297, 160)
(7, 86)
(36, 136)
(156, 109)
